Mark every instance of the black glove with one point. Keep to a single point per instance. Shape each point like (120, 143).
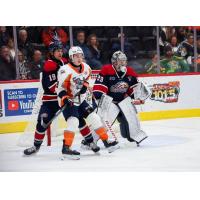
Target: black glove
(67, 102)
(83, 89)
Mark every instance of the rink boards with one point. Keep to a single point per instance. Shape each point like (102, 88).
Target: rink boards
(173, 96)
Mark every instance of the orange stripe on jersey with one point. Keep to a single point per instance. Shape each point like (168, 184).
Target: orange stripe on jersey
(75, 69)
(90, 73)
(67, 84)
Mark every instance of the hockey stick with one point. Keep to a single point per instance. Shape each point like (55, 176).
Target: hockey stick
(47, 126)
(57, 113)
(55, 116)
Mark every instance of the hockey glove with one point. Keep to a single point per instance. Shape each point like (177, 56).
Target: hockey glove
(84, 88)
(66, 101)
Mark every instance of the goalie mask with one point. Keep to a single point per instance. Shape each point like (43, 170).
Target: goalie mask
(119, 61)
(76, 55)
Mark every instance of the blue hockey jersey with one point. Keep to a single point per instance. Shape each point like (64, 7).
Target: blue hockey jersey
(118, 85)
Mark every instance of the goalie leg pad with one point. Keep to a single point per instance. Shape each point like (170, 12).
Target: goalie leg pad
(130, 114)
(107, 110)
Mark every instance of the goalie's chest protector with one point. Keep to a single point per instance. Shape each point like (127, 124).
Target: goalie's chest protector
(118, 86)
(73, 78)
(115, 84)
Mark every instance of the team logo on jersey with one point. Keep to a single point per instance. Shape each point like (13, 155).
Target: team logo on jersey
(78, 81)
(120, 87)
(166, 92)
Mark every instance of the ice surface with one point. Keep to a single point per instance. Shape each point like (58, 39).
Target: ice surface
(172, 145)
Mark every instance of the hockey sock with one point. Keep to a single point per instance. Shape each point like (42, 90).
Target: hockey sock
(68, 138)
(86, 133)
(38, 138)
(101, 132)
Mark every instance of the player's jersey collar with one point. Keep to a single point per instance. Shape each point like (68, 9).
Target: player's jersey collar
(75, 69)
(118, 74)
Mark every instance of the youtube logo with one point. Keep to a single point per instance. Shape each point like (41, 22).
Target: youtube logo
(13, 105)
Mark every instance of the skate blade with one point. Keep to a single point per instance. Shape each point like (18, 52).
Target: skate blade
(70, 157)
(113, 148)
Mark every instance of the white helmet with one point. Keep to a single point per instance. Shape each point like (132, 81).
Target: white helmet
(75, 50)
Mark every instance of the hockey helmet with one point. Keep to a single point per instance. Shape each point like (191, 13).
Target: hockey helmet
(75, 50)
(55, 46)
(118, 55)
(119, 60)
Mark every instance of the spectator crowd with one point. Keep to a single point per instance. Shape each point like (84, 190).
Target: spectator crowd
(98, 44)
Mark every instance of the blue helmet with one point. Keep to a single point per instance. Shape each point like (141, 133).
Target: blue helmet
(55, 46)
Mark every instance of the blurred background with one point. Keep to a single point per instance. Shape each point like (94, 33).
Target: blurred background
(149, 49)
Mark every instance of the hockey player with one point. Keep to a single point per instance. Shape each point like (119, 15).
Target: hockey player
(115, 87)
(49, 100)
(73, 89)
